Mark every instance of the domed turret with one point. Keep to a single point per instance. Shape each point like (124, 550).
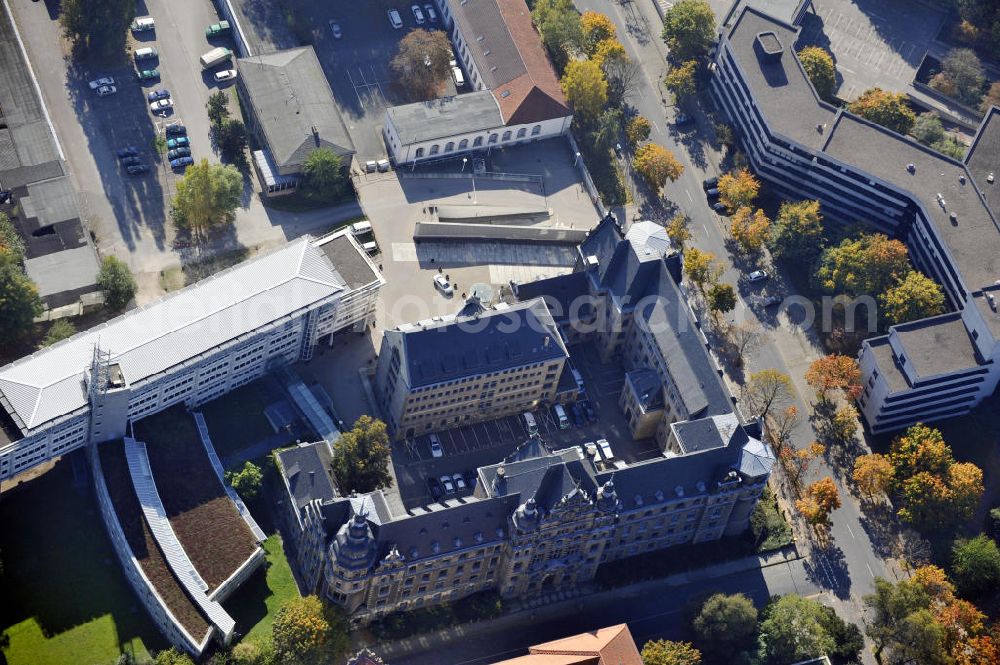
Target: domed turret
(526, 516)
(353, 547)
(607, 497)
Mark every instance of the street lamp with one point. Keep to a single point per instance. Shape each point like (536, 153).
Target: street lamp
(576, 160)
(464, 162)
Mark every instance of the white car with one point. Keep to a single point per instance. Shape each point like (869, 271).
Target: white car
(103, 81)
(225, 75)
(395, 19)
(431, 14)
(161, 105)
(446, 483)
(335, 29)
(757, 276)
(459, 482)
(443, 285)
(106, 90)
(605, 448)
(436, 449)
(418, 14)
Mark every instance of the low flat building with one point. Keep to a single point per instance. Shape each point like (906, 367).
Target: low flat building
(944, 210)
(476, 365)
(516, 94)
(605, 646)
(190, 346)
(291, 111)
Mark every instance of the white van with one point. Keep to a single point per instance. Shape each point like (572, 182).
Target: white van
(143, 23)
(145, 53)
(456, 73)
(529, 423)
(361, 228)
(370, 247)
(605, 448)
(561, 416)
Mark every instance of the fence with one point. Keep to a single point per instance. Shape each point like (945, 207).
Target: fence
(588, 182)
(487, 175)
(227, 13)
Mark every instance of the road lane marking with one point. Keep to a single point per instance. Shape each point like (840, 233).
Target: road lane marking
(690, 198)
(870, 572)
(849, 530)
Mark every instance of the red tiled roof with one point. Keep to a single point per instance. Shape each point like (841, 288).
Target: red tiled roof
(605, 646)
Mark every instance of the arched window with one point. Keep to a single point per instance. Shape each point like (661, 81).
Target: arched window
(434, 149)
(494, 137)
(521, 133)
(506, 135)
(449, 146)
(463, 144)
(536, 130)
(478, 141)
(420, 153)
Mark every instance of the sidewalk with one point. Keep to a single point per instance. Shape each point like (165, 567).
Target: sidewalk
(520, 613)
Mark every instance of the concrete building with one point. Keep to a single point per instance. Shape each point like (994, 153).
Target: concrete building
(291, 111)
(477, 365)
(190, 346)
(605, 646)
(944, 210)
(516, 98)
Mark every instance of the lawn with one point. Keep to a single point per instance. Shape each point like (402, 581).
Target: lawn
(236, 420)
(64, 598)
(254, 605)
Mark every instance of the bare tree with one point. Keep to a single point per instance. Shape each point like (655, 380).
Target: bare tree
(765, 389)
(912, 549)
(421, 64)
(779, 427)
(622, 75)
(745, 338)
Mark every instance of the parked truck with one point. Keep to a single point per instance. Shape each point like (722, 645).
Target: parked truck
(216, 56)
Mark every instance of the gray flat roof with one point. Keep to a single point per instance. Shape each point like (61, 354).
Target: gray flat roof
(983, 159)
(63, 271)
(350, 260)
(444, 117)
(782, 90)
(987, 302)
(887, 365)
(938, 345)
(789, 11)
(444, 231)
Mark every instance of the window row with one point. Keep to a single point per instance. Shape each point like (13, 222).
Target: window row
(478, 141)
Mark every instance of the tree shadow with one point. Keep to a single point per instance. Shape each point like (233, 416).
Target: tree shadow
(879, 522)
(827, 568)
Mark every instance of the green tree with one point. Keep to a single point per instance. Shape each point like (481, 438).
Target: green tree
(820, 69)
(725, 625)
(797, 234)
(916, 296)
(247, 481)
(421, 63)
(889, 607)
(889, 109)
(927, 128)
(206, 197)
(217, 106)
(231, 138)
(688, 29)
(10, 240)
(607, 130)
(868, 264)
(682, 80)
(172, 657)
(306, 632)
(560, 26)
(323, 178)
(793, 629)
(637, 131)
(19, 300)
(961, 76)
(721, 298)
(665, 652)
(59, 330)
(585, 87)
(992, 97)
(96, 27)
(253, 652)
(116, 281)
(657, 165)
(975, 565)
(361, 457)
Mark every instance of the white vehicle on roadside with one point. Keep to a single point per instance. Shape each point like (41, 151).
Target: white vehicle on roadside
(106, 90)
(100, 82)
(161, 105)
(225, 75)
(395, 19)
(436, 449)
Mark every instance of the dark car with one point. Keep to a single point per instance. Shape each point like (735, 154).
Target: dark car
(176, 129)
(710, 183)
(588, 408)
(6, 196)
(181, 162)
(128, 151)
(578, 417)
(162, 93)
(435, 486)
(712, 193)
(719, 207)
(682, 120)
(179, 152)
(131, 161)
(137, 169)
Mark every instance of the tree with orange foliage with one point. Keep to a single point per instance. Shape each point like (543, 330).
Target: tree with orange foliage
(935, 582)
(977, 651)
(873, 474)
(657, 165)
(596, 28)
(821, 499)
(834, 372)
(797, 461)
(738, 189)
(750, 229)
(920, 448)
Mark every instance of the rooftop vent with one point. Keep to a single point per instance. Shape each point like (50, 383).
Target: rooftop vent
(768, 46)
(700, 485)
(991, 299)
(638, 499)
(990, 178)
(679, 491)
(961, 178)
(911, 168)
(954, 218)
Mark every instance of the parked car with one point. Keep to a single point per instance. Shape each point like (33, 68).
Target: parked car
(131, 160)
(682, 120)
(443, 285)
(99, 82)
(712, 193)
(435, 486)
(436, 449)
(106, 90)
(395, 19)
(217, 29)
(371, 166)
(149, 74)
(181, 162)
(449, 488)
(771, 300)
(137, 169)
(383, 165)
(578, 417)
(360, 228)
(418, 14)
(757, 276)
(162, 93)
(127, 151)
(710, 183)
(147, 53)
(177, 153)
(142, 24)
(431, 14)
(176, 129)
(224, 75)
(458, 76)
(605, 448)
(161, 105)
(335, 29)
(720, 208)
(459, 482)
(588, 409)
(561, 418)
(178, 142)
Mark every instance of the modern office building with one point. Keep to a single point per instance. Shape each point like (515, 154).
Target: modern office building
(477, 365)
(944, 210)
(190, 346)
(516, 94)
